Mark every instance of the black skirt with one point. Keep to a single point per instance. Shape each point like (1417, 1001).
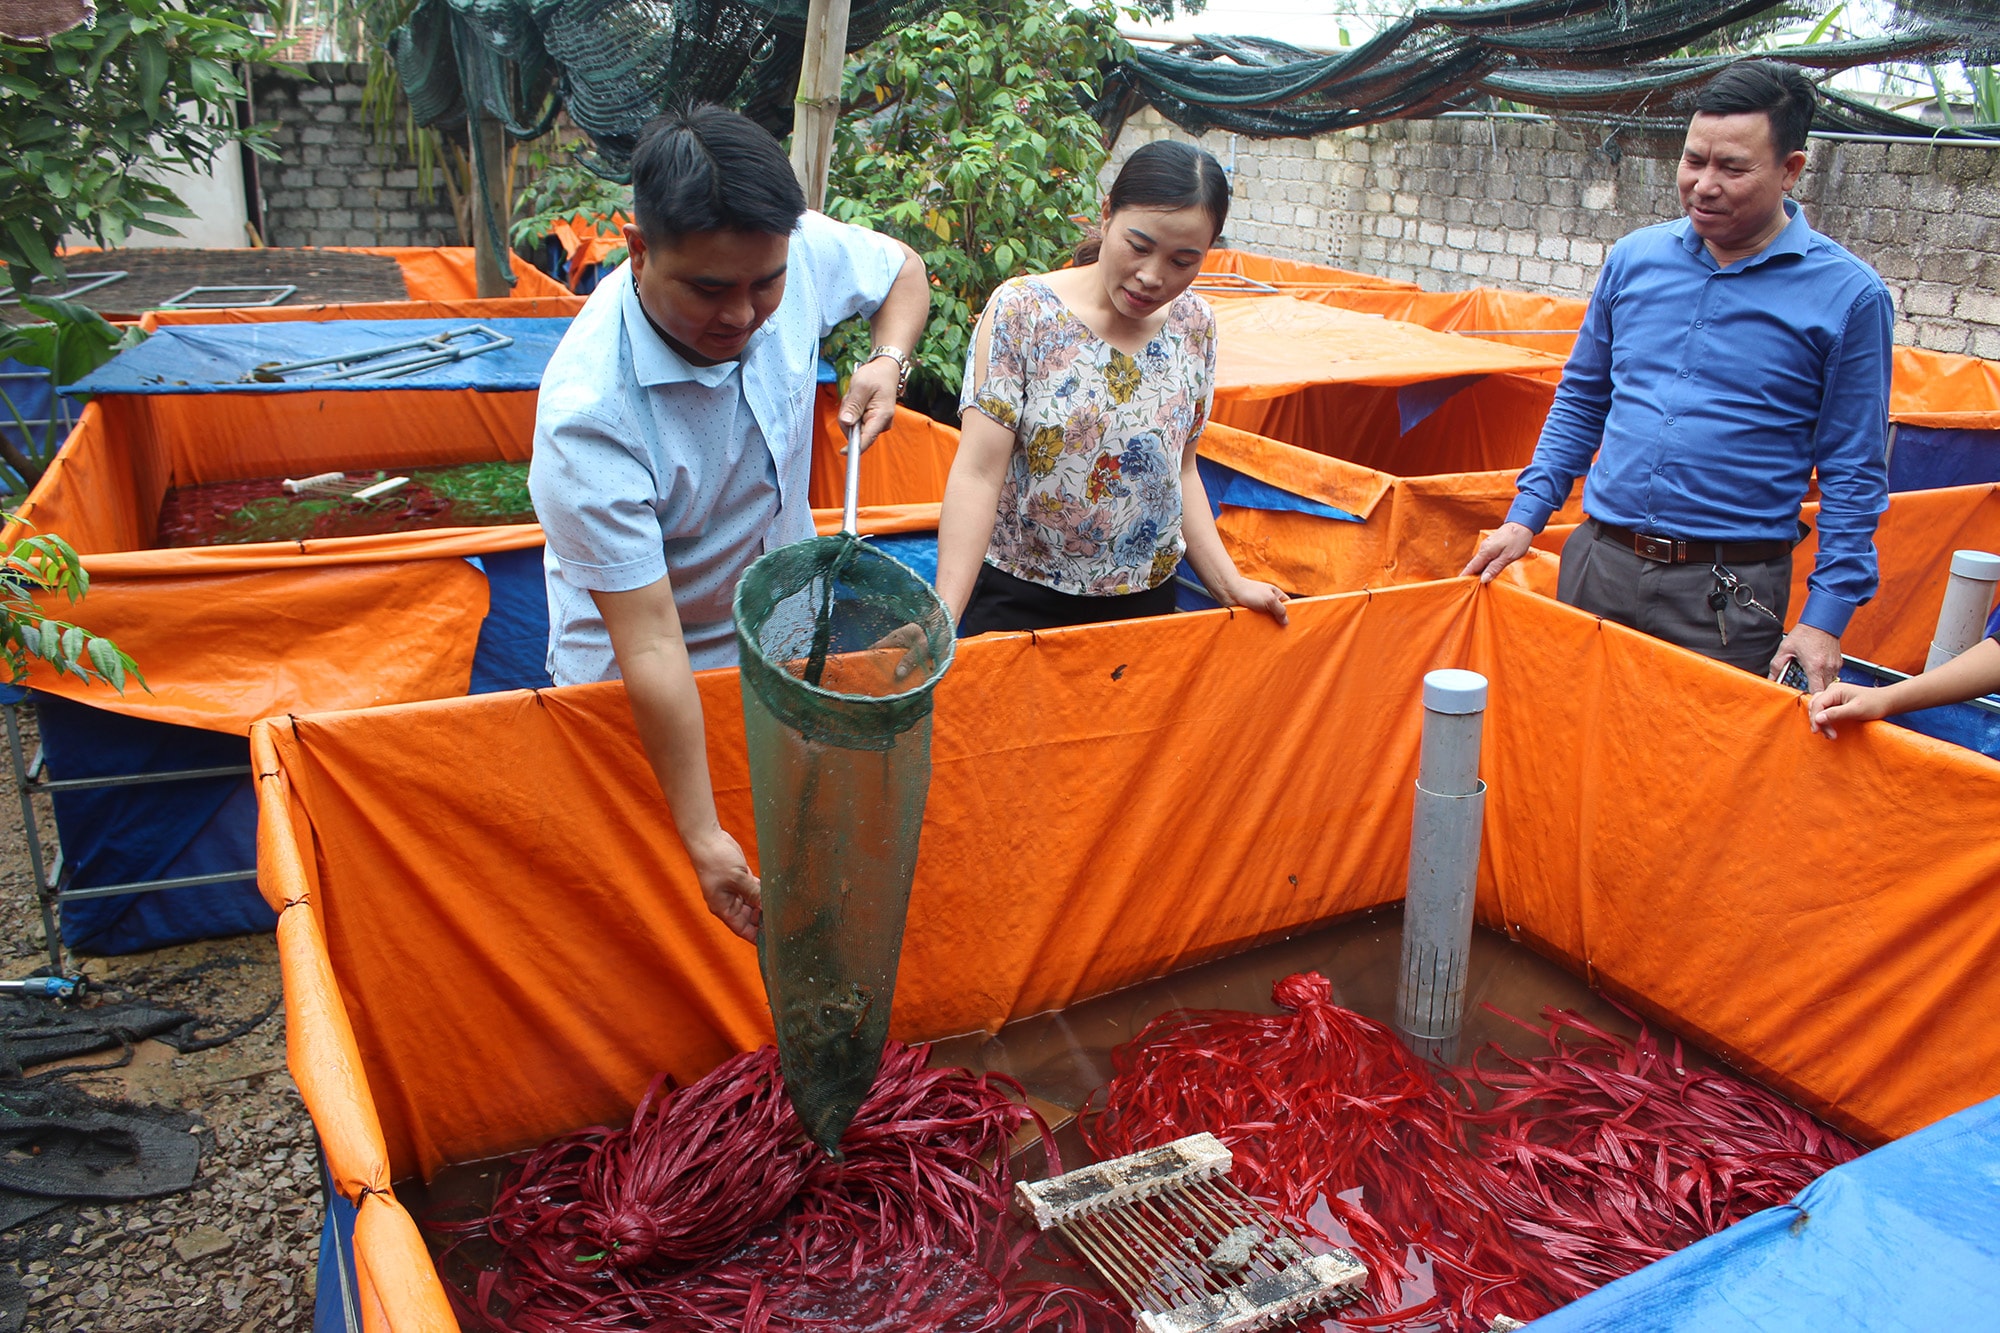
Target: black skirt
(1000, 601)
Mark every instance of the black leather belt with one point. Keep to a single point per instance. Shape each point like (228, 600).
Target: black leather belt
(1674, 551)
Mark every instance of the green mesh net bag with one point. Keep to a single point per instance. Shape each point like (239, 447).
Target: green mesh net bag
(839, 730)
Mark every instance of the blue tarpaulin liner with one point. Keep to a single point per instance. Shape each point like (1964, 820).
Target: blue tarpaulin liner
(336, 1308)
(119, 835)
(1929, 458)
(1903, 1240)
(217, 358)
(1975, 724)
(155, 830)
(1227, 486)
(513, 649)
(918, 550)
(28, 395)
(1415, 402)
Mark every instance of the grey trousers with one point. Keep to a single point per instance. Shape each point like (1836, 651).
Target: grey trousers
(1671, 601)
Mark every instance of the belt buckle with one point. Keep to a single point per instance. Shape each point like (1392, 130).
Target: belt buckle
(1653, 548)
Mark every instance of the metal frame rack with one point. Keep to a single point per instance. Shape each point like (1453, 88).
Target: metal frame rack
(65, 411)
(52, 876)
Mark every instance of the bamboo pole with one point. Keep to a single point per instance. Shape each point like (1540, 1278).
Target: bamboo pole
(817, 105)
(492, 210)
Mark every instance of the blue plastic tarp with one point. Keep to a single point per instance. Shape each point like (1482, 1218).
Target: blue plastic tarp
(29, 401)
(1415, 402)
(1227, 486)
(217, 358)
(1975, 724)
(1903, 1240)
(1927, 458)
(160, 830)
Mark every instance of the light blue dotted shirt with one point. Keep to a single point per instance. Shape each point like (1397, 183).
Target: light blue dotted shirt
(646, 466)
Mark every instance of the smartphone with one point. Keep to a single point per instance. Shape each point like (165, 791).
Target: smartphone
(1795, 676)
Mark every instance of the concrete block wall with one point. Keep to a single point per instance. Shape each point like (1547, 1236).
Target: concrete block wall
(332, 183)
(1452, 204)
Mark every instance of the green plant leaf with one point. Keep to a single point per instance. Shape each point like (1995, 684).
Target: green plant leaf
(110, 663)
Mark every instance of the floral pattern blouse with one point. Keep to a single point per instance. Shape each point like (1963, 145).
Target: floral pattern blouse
(1092, 500)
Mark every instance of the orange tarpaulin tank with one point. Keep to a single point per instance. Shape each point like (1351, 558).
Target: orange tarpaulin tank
(338, 623)
(450, 273)
(105, 488)
(1843, 960)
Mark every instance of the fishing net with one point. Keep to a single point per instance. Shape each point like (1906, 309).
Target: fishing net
(839, 742)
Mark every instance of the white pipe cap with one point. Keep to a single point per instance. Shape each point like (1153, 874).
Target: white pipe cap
(1976, 565)
(1455, 691)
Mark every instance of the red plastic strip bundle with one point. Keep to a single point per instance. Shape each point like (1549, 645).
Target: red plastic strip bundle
(1324, 1106)
(1591, 1161)
(712, 1210)
(1613, 1155)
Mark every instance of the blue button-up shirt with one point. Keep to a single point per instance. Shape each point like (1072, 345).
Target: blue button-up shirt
(1710, 395)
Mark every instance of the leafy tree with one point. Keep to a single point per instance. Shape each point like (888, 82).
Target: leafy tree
(967, 137)
(38, 566)
(148, 84)
(72, 341)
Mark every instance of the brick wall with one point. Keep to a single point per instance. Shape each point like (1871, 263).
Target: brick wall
(1451, 204)
(332, 184)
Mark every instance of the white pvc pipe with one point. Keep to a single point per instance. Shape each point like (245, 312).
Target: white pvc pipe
(1444, 864)
(1968, 600)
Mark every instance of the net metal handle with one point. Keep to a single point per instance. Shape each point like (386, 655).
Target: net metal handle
(847, 520)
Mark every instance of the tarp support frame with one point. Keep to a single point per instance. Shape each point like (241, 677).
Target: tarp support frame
(49, 874)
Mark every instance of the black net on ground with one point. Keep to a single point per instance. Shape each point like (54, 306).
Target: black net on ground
(1609, 59)
(839, 739)
(57, 1144)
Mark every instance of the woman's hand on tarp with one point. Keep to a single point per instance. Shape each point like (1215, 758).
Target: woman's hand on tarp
(1842, 702)
(731, 891)
(1502, 547)
(1255, 595)
(914, 645)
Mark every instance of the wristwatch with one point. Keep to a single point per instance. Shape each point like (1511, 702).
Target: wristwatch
(900, 357)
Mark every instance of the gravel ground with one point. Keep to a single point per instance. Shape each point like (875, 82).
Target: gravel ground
(236, 1252)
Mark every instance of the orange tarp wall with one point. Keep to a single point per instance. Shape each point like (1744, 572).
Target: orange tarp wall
(1835, 942)
(450, 273)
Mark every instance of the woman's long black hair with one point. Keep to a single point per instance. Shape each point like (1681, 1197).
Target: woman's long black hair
(1163, 174)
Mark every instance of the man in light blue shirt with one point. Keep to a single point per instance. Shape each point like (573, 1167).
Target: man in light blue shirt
(673, 434)
(1725, 360)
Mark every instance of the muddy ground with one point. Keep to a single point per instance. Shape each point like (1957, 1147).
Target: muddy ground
(239, 1250)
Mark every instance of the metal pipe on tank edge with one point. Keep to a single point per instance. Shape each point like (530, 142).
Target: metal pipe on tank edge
(1968, 600)
(1445, 833)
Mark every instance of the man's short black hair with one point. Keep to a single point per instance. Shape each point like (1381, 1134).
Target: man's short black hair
(1779, 91)
(709, 169)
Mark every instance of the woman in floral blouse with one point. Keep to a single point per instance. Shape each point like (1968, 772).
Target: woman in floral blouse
(1074, 493)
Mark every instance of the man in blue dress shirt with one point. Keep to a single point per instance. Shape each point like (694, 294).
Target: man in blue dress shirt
(673, 435)
(1724, 360)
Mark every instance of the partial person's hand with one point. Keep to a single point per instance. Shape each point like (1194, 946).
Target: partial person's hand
(915, 646)
(732, 892)
(1266, 597)
(871, 398)
(1842, 702)
(1507, 543)
(1815, 650)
